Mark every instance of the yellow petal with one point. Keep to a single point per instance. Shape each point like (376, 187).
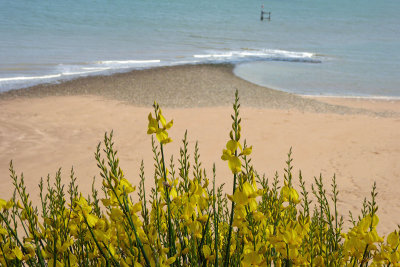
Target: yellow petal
(5, 205)
(247, 151)
(112, 250)
(162, 119)
(294, 196)
(106, 202)
(206, 251)
(126, 185)
(185, 251)
(173, 194)
(137, 207)
(226, 154)
(252, 204)
(92, 220)
(161, 135)
(247, 189)
(170, 260)
(166, 141)
(285, 193)
(258, 216)
(393, 239)
(18, 253)
(3, 231)
(232, 145)
(151, 130)
(169, 124)
(19, 205)
(240, 198)
(234, 164)
(153, 125)
(375, 220)
(116, 214)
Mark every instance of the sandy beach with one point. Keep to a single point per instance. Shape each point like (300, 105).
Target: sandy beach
(50, 126)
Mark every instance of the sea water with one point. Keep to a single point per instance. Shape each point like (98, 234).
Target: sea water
(312, 47)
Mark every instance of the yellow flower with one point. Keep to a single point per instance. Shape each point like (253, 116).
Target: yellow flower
(116, 214)
(172, 193)
(153, 125)
(29, 249)
(196, 229)
(233, 161)
(18, 253)
(258, 216)
(126, 185)
(206, 251)
(170, 261)
(228, 154)
(5, 205)
(91, 220)
(245, 196)
(251, 258)
(188, 211)
(247, 151)
(393, 239)
(3, 231)
(240, 198)
(161, 133)
(289, 194)
(83, 206)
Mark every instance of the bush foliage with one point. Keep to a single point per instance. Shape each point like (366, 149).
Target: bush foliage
(187, 221)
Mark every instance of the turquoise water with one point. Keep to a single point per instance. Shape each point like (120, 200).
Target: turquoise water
(318, 47)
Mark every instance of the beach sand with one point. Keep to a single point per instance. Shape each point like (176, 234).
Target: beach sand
(47, 127)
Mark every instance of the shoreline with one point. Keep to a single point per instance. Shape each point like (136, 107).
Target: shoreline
(231, 66)
(186, 86)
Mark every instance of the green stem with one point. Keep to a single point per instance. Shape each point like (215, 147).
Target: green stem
(2, 252)
(55, 251)
(364, 255)
(134, 231)
(125, 209)
(170, 232)
(95, 241)
(226, 262)
(109, 252)
(19, 242)
(215, 222)
(202, 239)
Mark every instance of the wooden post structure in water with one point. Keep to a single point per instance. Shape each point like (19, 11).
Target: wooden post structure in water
(265, 13)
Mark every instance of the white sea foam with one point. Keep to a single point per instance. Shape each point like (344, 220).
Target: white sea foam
(23, 78)
(78, 72)
(93, 70)
(69, 71)
(264, 54)
(367, 97)
(122, 62)
(96, 68)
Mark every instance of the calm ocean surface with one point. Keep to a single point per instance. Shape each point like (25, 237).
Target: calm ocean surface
(312, 47)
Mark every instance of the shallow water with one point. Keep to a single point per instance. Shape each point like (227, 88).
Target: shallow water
(309, 47)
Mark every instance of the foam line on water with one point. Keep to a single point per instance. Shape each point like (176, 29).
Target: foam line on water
(21, 78)
(371, 97)
(111, 62)
(264, 54)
